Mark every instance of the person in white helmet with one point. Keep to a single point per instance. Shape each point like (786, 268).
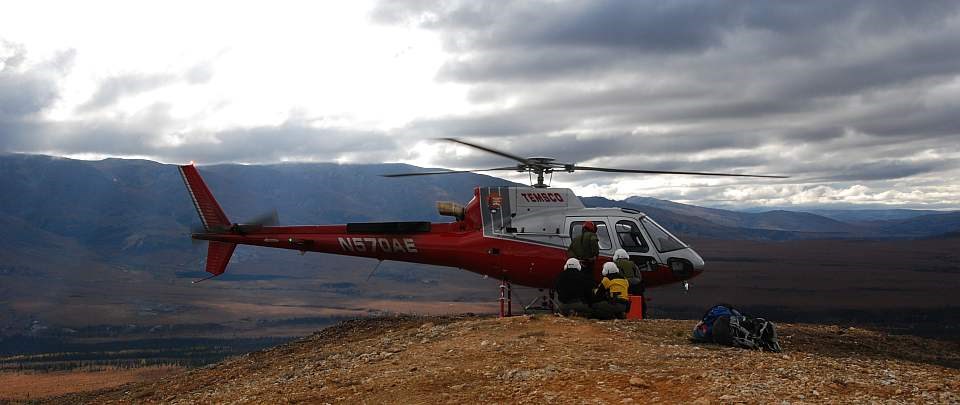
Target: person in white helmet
(629, 270)
(613, 291)
(573, 290)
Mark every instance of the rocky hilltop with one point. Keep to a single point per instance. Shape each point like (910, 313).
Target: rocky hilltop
(545, 358)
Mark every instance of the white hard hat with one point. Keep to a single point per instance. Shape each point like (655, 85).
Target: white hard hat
(620, 254)
(572, 263)
(610, 268)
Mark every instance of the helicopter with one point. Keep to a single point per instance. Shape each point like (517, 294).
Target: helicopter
(518, 235)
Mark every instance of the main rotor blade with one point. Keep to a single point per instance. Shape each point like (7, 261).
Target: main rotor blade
(489, 150)
(270, 218)
(604, 169)
(446, 172)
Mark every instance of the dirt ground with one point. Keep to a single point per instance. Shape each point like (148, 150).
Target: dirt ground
(546, 358)
(28, 386)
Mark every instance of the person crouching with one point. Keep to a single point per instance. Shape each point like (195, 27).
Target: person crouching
(611, 294)
(573, 290)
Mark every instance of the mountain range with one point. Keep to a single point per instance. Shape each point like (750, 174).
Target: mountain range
(88, 243)
(805, 224)
(128, 207)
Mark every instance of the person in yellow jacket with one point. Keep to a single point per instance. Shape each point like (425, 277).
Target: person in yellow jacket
(612, 294)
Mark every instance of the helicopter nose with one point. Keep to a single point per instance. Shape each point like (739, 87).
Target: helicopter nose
(697, 261)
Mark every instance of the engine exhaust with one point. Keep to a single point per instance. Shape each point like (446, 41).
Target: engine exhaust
(450, 209)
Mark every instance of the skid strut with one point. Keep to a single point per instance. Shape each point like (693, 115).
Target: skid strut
(506, 298)
(543, 302)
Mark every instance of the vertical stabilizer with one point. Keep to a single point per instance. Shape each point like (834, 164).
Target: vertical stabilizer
(212, 216)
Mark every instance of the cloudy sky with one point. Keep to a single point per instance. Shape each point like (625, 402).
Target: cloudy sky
(857, 101)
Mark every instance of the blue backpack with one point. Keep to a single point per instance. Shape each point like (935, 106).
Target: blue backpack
(725, 325)
(703, 332)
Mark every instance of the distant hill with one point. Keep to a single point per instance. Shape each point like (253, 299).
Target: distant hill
(136, 207)
(872, 223)
(107, 241)
(686, 226)
(89, 242)
(858, 215)
(778, 220)
(943, 224)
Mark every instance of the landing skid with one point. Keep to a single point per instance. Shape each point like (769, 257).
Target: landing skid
(545, 303)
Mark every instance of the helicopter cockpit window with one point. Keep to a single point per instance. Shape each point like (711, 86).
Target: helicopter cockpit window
(602, 234)
(630, 237)
(662, 239)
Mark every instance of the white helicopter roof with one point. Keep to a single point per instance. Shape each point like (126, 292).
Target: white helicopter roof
(540, 213)
(530, 200)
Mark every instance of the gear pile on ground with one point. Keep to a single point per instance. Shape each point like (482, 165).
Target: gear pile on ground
(466, 359)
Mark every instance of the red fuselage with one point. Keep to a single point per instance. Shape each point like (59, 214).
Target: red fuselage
(459, 244)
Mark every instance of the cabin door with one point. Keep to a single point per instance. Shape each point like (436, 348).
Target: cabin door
(574, 226)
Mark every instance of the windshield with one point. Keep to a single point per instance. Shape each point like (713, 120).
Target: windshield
(662, 239)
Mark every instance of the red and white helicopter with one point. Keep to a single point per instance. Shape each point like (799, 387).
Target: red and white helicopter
(514, 234)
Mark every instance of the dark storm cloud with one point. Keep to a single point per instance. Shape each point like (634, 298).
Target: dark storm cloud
(508, 123)
(141, 135)
(290, 141)
(849, 94)
(936, 120)
(152, 132)
(883, 170)
(114, 88)
(26, 91)
(831, 91)
(538, 39)
(134, 135)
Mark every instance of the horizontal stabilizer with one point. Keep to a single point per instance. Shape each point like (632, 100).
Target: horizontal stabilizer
(218, 255)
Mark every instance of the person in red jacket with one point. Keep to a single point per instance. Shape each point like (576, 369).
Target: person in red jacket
(585, 247)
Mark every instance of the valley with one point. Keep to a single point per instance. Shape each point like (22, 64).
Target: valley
(101, 278)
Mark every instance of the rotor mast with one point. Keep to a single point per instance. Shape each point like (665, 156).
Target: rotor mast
(538, 166)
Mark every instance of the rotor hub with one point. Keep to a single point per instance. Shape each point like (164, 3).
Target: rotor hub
(540, 159)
